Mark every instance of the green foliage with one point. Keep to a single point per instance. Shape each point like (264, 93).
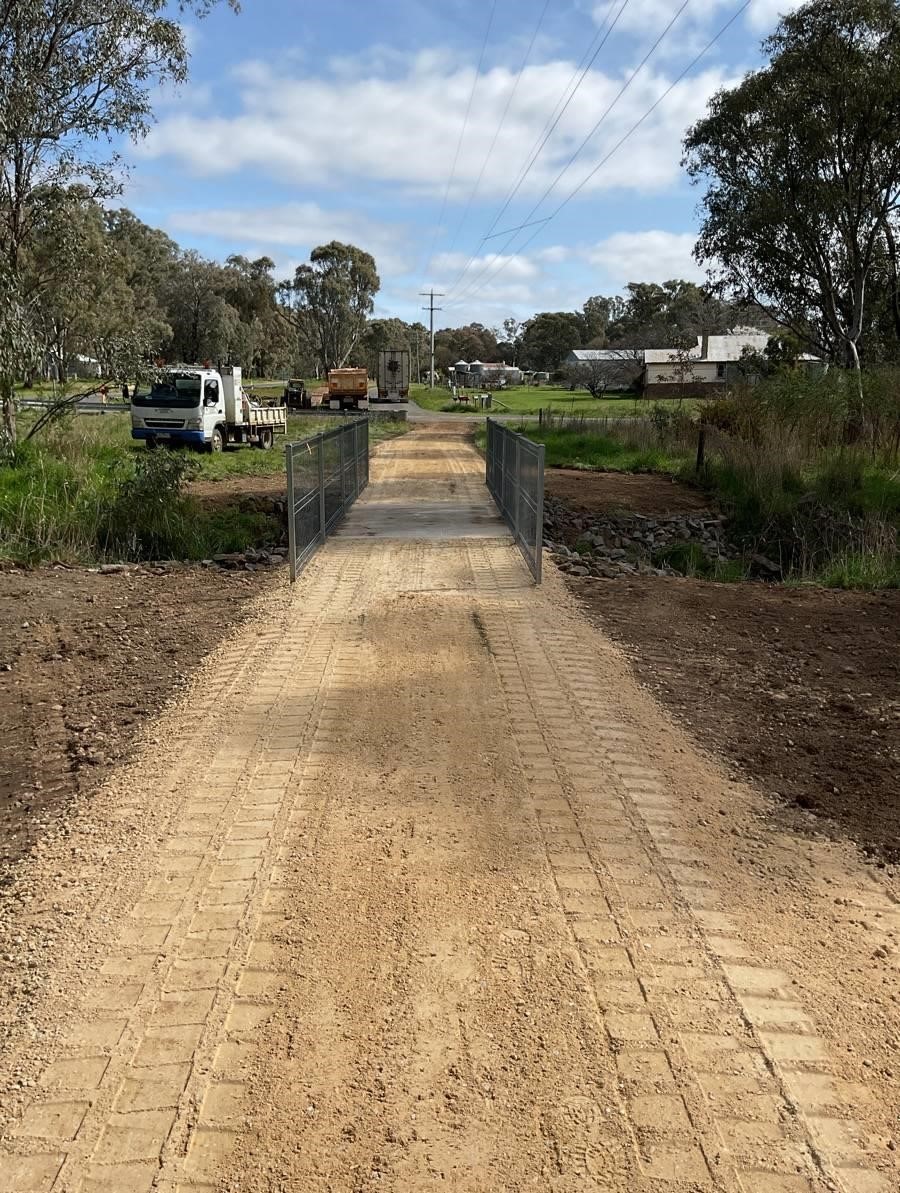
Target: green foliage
(813, 490)
(332, 297)
(610, 451)
(82, 491)
(149, 516)
(862, 569)
(688, 559)
(69, 80)
(802, 172)
(549, 337)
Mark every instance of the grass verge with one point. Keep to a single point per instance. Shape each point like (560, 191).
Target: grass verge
(811, 487)
(83, 492)
(529, 400)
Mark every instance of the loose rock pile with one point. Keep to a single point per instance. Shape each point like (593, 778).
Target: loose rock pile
(249, 560)
(610, 545)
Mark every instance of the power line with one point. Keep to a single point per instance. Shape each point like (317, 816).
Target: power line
(587, 61)
(618, 145)
(505, 113)
(527, 222)
(462, 134)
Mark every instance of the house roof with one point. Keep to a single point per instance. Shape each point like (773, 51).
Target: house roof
(721, 349)
(586, 355)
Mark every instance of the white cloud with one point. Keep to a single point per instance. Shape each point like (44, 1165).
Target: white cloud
(652, 256)
(763, 14)
(517, 267)
(650, 17)
(298, 227)
(400, 128)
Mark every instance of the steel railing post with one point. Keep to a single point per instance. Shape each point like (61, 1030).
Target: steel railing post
(341, 463)
(517, 497)
(320, 447)
(291, 505)
(539, 516)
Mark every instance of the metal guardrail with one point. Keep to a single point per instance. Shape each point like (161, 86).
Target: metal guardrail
(325, 475)
(515, 479)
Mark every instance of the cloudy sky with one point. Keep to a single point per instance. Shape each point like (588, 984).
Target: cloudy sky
(428, 132)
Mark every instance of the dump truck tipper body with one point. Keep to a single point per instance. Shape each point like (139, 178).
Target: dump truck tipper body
(393, 375)
(206, 408)
(348, 389)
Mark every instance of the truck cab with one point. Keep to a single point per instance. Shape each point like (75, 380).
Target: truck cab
(203, 407)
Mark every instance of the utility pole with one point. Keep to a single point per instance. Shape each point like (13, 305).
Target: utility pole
(431, 308)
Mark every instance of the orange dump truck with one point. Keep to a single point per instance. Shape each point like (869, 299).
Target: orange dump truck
(348, 389)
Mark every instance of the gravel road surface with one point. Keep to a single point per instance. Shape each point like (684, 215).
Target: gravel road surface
(419, 890)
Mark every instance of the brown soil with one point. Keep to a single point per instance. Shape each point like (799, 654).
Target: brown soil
(607, 492)
(224, 492)
(800, 688)
(85, 659)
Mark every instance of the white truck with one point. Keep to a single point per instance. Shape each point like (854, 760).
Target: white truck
(206, 408)
(393, 375)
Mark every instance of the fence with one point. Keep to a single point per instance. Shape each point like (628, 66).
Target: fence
(325, 475)
(515, 478)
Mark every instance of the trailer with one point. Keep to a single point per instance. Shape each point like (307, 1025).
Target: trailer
(393, 375)
(348, 389)
(204, 408)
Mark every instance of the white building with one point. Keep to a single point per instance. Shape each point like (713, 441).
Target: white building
(711, 362)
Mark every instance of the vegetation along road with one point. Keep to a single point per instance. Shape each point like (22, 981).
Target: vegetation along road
(449, 902)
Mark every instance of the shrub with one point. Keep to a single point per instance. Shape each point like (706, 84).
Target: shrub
(150, 517)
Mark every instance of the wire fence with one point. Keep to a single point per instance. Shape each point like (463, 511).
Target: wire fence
(515, 479)
(325, 475)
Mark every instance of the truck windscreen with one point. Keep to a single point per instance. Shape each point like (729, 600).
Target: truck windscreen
(170, 391)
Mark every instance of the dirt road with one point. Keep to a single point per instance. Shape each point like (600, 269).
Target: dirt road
(420, 890)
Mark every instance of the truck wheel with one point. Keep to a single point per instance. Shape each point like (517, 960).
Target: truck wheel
(217, 441)
(267, 440)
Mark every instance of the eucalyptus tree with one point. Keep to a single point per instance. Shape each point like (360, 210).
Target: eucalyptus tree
(801, 163)
(331, 298)
(74, 75)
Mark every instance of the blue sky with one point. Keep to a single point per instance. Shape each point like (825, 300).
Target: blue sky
(372, 122)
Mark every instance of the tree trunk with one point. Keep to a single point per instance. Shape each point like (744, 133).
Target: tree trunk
(895, 277)
(8, 402)
(854, 429)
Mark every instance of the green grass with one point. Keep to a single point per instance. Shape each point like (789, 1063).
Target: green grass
(82, 491)
(526, 399)
(579, 449)
(830, 515)
(863, 570)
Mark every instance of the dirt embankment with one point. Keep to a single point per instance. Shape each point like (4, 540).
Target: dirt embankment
(798, 687)
(84, 659)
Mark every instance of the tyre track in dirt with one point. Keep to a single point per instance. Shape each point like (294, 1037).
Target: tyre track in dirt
(434, 916)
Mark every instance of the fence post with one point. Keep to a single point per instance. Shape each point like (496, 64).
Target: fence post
(517, 517)
(541, 416)
(341, 465)
(321, 451)
(701, 448)
(352, 446)
(539, 517)
(292, 517)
